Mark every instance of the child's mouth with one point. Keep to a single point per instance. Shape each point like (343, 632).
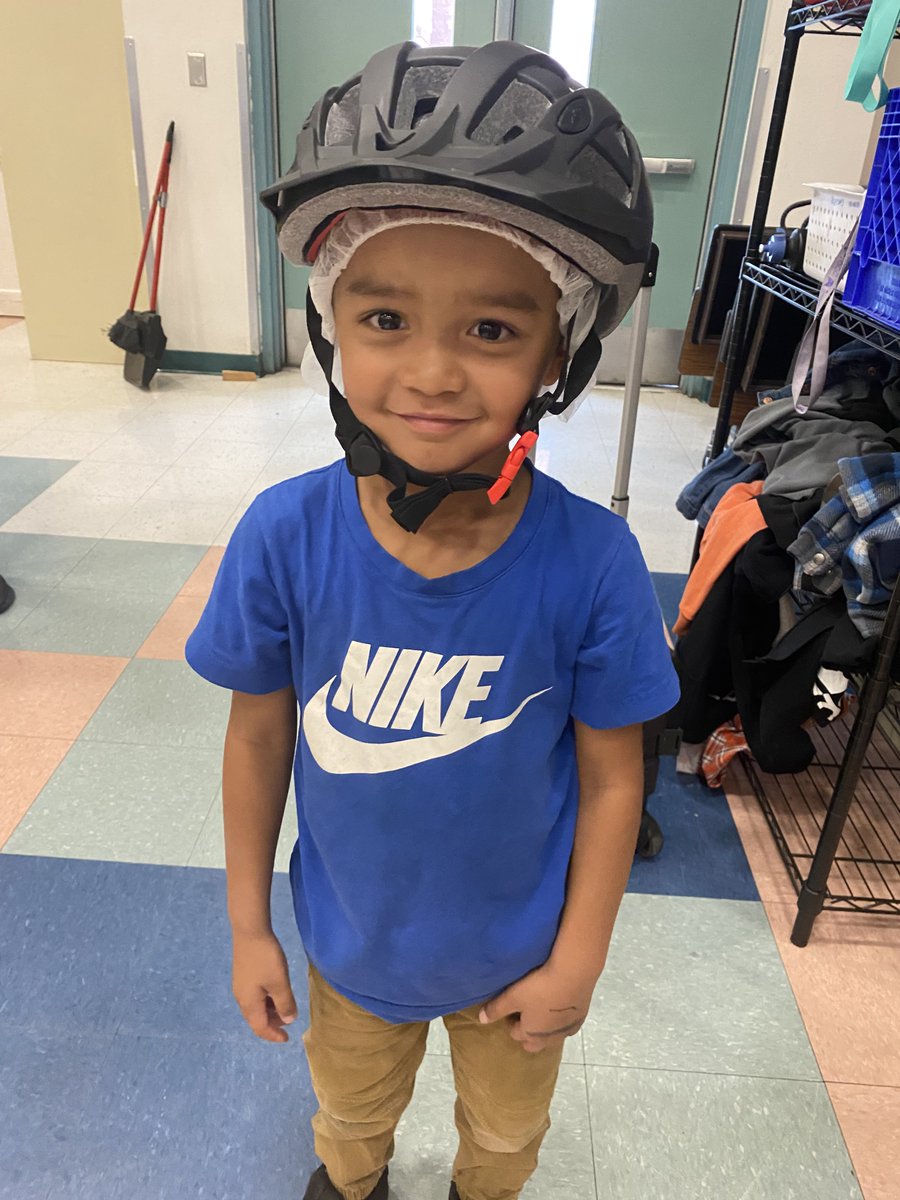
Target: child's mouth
(426, 423)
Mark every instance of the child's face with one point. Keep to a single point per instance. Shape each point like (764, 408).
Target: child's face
(445, 334)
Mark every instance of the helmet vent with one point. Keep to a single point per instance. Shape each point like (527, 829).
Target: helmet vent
(343, 119)
(419, 93)
(590, 166)
(519, 107)
(424, 108)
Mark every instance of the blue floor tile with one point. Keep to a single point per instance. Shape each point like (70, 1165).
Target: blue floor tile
(133, 1072)
(48, 1084)
(669, 588)
(702, 854)
(154, 1118)
(94, 946)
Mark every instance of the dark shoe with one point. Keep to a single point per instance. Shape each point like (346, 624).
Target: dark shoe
(7, 595)
(320, 1187)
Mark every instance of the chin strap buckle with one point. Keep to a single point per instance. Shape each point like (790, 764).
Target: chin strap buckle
(512, 466)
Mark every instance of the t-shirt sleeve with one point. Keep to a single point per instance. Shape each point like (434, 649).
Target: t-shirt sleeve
(241, 641)
(624, 672)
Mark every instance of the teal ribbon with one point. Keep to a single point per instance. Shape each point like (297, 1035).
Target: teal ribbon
(867, 72)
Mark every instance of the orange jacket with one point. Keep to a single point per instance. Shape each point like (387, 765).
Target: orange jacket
(737, 517)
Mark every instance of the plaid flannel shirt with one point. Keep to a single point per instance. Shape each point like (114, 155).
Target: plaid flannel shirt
(854, 540)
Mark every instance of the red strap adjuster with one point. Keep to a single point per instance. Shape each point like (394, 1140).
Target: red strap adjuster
(512, 466)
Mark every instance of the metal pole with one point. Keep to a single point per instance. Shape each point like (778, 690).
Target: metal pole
(504, 20)
(619, 502)
(815, 889)
(737, 340)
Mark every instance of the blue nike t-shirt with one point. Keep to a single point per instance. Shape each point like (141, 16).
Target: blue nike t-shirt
(435, 771)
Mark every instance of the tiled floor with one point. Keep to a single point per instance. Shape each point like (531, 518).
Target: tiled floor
(718, 1062)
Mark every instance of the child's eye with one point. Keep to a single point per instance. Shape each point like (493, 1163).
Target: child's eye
(387, 321)
(492, 331)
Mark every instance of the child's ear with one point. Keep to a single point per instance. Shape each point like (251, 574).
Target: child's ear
(555, 364)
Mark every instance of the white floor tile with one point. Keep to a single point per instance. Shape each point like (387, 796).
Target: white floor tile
(164, 423)
(281, 402)
(92, 417)
(68, 515)
(198, 404)
(15, 424)
(46, 442)
(126, 480)
(149, 448)
(208, 453)
(259, 430)
(162, 520)
(203, 485)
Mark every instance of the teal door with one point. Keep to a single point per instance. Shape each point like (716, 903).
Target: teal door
(666, 66)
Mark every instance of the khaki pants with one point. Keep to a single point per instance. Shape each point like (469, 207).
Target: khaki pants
(363, 1072)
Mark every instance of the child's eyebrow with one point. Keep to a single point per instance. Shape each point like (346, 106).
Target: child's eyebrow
(519, 300)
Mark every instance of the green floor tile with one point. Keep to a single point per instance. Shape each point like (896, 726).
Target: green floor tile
(156, 568)
(142, 804)
(210, 848)
(28, 597)
(75, 621)
(427, 1140)
(161, 704)
(40, 558)
(697, 985)
(22, 479)
(672, 1135)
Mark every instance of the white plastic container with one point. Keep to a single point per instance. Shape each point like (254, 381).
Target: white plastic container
(835, 207)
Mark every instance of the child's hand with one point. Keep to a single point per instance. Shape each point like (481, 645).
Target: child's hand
(544, 1008)
(261, 985)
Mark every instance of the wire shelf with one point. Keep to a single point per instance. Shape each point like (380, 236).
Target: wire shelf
(845, 16)
(865, 875)
(803, 292)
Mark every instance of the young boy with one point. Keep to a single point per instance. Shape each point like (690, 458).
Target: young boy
(469, 766)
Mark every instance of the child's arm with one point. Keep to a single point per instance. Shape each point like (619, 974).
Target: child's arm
(256, 774)
(610, 800)
(553, 1001)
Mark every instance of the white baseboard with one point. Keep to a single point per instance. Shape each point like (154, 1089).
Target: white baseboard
(11, 303)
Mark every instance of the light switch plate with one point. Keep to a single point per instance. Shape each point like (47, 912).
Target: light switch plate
(197, 70)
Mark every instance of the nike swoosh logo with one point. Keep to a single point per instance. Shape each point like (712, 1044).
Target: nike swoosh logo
(341, 755)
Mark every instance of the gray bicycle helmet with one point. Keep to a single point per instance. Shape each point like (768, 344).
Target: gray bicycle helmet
(499, 130)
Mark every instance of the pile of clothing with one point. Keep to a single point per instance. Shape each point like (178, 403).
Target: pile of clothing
(800, 553)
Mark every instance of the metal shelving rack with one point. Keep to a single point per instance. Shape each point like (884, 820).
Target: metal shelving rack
(829, 861)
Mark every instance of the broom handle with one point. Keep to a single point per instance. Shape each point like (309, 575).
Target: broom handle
(163, 169)
(163, 199)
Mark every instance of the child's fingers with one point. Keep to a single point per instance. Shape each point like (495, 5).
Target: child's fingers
(256, 1014)
(504, 1005)
(284, 1003)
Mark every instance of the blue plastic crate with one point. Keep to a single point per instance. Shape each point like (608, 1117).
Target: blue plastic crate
(873, 282)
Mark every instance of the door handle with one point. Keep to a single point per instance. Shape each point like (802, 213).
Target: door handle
(670, 166)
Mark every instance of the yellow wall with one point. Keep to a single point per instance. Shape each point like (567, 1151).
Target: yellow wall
(67, 153)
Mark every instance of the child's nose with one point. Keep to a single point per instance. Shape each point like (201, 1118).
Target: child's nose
(433, 369)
